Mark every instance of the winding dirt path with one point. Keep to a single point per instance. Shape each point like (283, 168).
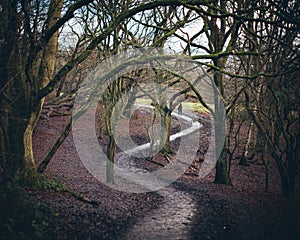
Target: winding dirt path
(171, 221)
(243, 211)
(195, 125)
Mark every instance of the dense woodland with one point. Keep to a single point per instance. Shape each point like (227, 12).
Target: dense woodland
(249, 48)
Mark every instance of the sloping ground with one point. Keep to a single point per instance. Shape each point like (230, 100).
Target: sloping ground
(243, 211)
(77, 219)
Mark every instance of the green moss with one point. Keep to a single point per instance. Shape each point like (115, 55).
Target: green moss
(197, 107)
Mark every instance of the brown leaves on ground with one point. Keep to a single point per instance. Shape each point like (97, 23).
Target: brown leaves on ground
(243, 211)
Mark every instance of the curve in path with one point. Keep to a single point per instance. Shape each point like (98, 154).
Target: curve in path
(172, 220)
(195, 125)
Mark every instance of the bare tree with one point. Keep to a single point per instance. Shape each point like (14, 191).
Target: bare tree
(271, 100)
(28, 49)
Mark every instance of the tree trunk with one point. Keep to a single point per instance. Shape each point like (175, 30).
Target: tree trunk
(112, 121)
(130, 103)
(287, 173)
(43, 165)
(19, 103)
(49, 53)
(112, 147)
(16, 117)
(288, 187)
(222, 170)
(222, 175)
(166, 128)
(16, 145)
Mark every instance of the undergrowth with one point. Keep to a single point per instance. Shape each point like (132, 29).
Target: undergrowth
(20, 217)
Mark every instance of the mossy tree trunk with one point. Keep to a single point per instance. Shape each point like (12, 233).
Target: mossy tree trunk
(222, 165)
(111, 152)
(20, 104)
(222, 175)
(221, 37)
(16, 142)
(16, 111)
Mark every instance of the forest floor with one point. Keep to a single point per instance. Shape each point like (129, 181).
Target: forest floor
(195, 207)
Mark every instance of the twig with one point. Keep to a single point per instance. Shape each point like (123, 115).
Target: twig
(152, 161)
(81, 197)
